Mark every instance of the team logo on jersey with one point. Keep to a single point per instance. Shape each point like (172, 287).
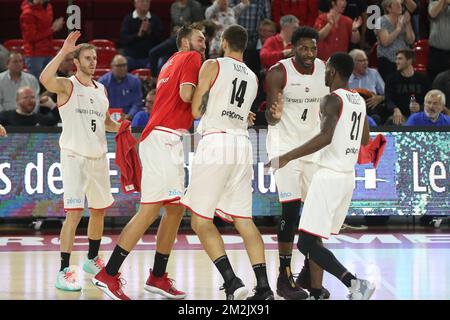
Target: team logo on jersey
(306, 89)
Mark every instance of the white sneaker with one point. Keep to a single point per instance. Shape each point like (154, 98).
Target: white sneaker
(67, 280)
(93, 266)
(361, 289)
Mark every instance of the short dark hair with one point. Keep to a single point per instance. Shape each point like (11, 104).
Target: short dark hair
(236, 36)
(343, 63)
(84, 46)
(409, 54)
(304, 32)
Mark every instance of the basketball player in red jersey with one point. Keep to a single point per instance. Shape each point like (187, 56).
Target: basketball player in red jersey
(162, 158)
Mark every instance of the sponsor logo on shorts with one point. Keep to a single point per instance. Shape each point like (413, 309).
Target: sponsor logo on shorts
(285, 194)
(232, 115)
(73, 201)
(351, 151)
(175, 193)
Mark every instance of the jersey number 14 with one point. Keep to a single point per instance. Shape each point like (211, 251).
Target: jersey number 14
(238, 95)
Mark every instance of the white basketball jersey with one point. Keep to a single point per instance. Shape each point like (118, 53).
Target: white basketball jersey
(301, 107)
(83, 120)
(342, 153)
(230, 98)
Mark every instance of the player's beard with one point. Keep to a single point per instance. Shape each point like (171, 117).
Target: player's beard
(192, 48)
(87, 71)
(221, 52)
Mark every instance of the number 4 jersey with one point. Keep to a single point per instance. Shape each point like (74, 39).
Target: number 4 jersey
(301, 106)
(342, 153)
(230, 98)
(83, 119)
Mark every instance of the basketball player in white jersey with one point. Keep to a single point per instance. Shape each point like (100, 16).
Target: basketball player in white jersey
(299, 82)
(343, 129)
(83, 107)
(222, 166)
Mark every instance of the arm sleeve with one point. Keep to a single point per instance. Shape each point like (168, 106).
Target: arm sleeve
(126, 35)
(389, 95)
(379, 83)
(191, 69)
(410, 121)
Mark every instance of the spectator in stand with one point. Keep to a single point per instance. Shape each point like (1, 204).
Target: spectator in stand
(184, 12)
(412, 7)
(13, 79)
(405, 89)
(395, 34)
(336, 31)
(223, 16)
(369, 79)
(124, 89)
(4, 54)
(267, 28)
(279, 46)
(442, 82)
(353, 10)
(432, 114)
(160, 53)
(140, 31)
(141, 118)
(250, 19)
(439, 40)
(306, 11)
(37, 27)
(23, 115)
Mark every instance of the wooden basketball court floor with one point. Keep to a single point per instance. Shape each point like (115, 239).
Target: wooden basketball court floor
(403, 266)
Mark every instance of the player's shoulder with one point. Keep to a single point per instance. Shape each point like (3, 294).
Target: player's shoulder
(191, 55)
(319, 62)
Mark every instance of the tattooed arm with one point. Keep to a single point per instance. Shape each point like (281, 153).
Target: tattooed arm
(206, 77)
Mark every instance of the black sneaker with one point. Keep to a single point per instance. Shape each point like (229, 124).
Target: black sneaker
(288, 289)
(235, 289)
(304, 281)
(262, 294)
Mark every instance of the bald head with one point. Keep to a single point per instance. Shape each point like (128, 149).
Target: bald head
(26, 99)
(119, 66)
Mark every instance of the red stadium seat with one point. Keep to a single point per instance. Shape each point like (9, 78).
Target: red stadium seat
(99, 72)
(144, 74)
(104, 56)
(103, 43)
(421, 49)
(373, 60)
(14, 45)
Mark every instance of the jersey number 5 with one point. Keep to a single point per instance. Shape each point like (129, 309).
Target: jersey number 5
(238, 95)
(93, 125)
(355, 118)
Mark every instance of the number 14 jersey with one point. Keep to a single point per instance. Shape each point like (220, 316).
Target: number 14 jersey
(230, 98)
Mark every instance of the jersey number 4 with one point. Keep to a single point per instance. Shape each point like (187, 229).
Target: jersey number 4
(356, 118)
(238, 95)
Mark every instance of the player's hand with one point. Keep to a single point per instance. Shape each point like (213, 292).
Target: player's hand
(374, 101)
(251, 119)
(2, 131)
(275, 164)
(69, 44)
(276, 109)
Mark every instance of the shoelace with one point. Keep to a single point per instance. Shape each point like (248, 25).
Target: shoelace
(99, 262)
(70, 276)
(121, 282)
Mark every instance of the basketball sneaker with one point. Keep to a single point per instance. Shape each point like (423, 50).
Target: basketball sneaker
(235, 289)
(288, 289)
(361, 289)
(67, 280)
(111, 285)
(304, 281)
(163, 286)
(262, 294)
(93, 266)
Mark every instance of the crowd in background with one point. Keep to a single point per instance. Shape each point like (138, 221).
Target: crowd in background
(398, 88)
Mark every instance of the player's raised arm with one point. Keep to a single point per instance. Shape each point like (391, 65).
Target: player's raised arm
(206, 78)
(48, 76)
(275, 81)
